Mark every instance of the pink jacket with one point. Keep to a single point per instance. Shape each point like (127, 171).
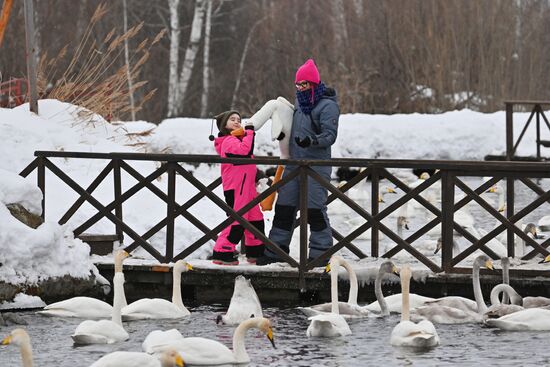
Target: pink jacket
(234, 175)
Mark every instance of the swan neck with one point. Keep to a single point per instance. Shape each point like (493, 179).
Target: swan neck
(481, 306)
(405, 307)
(118, 298)
(505, 278)
(353, 284)
(176, 289)
(26, 354)
(399, 231)
(508, 290)
(379, 294)
(334, 288)
(239, 350)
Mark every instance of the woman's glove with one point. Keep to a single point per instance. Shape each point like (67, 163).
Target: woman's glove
(304, 143)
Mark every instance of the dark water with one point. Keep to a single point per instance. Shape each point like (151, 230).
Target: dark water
(465, 345)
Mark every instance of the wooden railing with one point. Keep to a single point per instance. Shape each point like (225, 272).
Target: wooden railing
(449, 175)
(538, 113)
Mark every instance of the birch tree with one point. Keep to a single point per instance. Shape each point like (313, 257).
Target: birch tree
(206, 60)
(127, 61)
(174, 58)
(190, 53)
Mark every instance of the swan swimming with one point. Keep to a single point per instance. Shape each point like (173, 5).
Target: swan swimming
(168, 358)
(104, 331)
(407, 333)
(20, 338)
(330, 324)
(535, 319)
(158, 308)
(86, 307)
(202, 351)
(458, 310)
(244, 303)
(349, 309)
(391, 304)
(498, 309)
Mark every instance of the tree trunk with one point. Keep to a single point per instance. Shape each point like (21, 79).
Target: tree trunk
(174, 58)
(190, 54)
(206, 60)
(127, 60)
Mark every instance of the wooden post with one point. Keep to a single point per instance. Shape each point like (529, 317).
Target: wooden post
(31, 56)
(303, 226)
(41, 181)
(118, 194)
(509, 131)
(171, 206)
(538, 109)
(510, 238)
(375, 183)
(447, 219)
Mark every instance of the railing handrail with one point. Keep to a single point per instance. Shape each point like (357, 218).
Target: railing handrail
(459, 165)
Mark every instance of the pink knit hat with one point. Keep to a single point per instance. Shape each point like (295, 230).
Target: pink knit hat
(308, 72)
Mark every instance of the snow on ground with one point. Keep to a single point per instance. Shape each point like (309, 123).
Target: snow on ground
(458, 135)
(23, 301)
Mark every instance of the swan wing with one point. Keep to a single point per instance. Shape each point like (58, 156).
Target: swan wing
(328, 325)
(394, 302)
(244, 303)
(127, 359)
(531, 302)
(153, 308)
(202, 351)
(445, 315)
(82, 307)
(460, 303)
(345, 309)
(99, 332)
(409, 334)
(158, 340)
(535, 319)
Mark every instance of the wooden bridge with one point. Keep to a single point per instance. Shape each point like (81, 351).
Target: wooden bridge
(449, 176)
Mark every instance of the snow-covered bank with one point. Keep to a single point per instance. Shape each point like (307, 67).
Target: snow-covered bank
(27, 254)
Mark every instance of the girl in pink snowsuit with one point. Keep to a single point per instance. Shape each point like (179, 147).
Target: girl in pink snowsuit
(239, 188)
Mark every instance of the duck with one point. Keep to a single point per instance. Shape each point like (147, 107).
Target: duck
(20, 338)
(391, 304)
(244, 303)
(104, 331)
(86, 307)
(458, 310)
(407, 333)
(168, 358)
(158, 308)
(330, 324)
(201, 351)
(349, 309)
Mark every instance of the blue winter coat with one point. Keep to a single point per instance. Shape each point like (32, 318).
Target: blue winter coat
(321, 126)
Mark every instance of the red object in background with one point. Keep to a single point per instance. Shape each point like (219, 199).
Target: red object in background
(13, 92)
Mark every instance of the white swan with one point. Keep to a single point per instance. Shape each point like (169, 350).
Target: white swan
(349, 309)
(458, 310)
(498, 309)
(407, 333)
(168, 358)
(20, 338)
(330, 324)
(244, 303)
(391, 304)
(104, 331)
(202, 351)
(86, 307)
(280, 111)
(535, 319)
(158, 308)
